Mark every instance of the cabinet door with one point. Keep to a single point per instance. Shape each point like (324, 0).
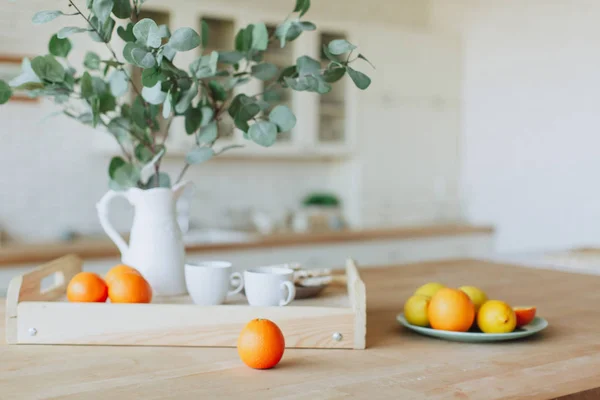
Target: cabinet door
(409, 129)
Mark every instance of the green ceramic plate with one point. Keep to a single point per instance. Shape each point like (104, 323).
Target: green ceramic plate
(537, 325)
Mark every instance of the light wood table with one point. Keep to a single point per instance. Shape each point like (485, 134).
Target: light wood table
(562, 362)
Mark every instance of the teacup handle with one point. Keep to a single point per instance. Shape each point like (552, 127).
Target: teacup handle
(232, 278)
(291, 289)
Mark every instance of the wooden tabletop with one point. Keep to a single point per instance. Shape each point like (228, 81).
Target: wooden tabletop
(562, 362)
(88, 249)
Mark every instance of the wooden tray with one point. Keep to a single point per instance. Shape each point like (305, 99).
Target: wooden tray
(334, 320)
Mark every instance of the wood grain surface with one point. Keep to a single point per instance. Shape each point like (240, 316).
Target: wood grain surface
(562, 362)
(14, 254)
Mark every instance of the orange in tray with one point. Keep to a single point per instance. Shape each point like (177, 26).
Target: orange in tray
(117, 270)
(524, 315)
(261, 344)
(451, 310)
(87, 287)
(129, 287)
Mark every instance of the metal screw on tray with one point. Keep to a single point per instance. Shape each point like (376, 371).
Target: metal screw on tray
(32, 331)
(337, 337)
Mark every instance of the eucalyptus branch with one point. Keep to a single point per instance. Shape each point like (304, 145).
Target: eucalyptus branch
(125, 152)
(182, 173)
(109, 47)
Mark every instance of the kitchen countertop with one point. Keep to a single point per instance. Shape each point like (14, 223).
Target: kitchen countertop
(561, 362)
(103, 248)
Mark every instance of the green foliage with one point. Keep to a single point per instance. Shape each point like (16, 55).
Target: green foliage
(200, 94)
(59, 47)
(5, 92)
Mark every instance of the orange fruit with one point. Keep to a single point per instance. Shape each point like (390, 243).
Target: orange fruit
(451, 310)
(118, 270)
(261, 344)
(87, 287)
(524, 315)
(129, 287)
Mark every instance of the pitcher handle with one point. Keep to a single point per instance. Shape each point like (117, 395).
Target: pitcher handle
(103, 209)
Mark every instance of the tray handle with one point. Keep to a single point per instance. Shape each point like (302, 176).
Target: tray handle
(358, 300)
(28, 287)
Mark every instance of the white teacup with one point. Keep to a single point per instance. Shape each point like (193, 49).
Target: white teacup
(269, 286)
(208, 282)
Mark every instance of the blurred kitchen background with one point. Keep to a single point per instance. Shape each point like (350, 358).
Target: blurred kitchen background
(481, 113)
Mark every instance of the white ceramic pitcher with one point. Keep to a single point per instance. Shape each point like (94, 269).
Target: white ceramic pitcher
(155, 246)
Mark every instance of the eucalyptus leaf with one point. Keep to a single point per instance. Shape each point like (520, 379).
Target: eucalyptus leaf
(334, 74)
(169, 52)
(208, 133)
(120, 127)
(105, 30)
(230, 57)
(185, 39)
(87, 87)
(42, 17)
(199, 155)
(27, 78)
(283, 117)
(154, 95)
(307, 26)
(340, 46)
(126, 33)
(119, 83)
(138, 113)
(193, 118)
(142, 57)
(164, 181)
(95, 106)
(329, 55)
(69, 30)
(47, 68)
(91, 61)
(147, 33)
(102, 9)
(127, 50)
(148, 169)
(122, 9)
(307, 65)
(99, 85)
(282, 31)
(186, 100)
(164, 32)
(260, 37)
(264, 71)
(302, 6)
(59, 47)
(142, 153)
(204, 32)
(362, 57)
(167, 106)
(151, 76)
(127, 175)
(217, 91)
(361, 80)
(5, 92)
(263, 133)
(115, 164)
(107, 102)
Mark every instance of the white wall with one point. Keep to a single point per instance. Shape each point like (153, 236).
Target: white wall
(531, 118)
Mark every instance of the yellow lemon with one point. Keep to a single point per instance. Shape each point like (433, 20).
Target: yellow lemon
(477, 296)
(429, 289)
(496, 316)
(415, 310)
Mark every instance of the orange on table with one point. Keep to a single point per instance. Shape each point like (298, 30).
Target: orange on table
(129, 287)
(524, 315)
(87, 287)
(118, 270)
(261, 344)
(451, 310)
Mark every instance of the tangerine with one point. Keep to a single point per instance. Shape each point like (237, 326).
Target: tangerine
(261, 344)
(129, 287)
(451, 310)
(118, 270)
(87, 287)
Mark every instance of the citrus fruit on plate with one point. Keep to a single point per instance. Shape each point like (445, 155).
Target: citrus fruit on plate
(429, 289)
(524, 315)
(451, 310)
(538, 324)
